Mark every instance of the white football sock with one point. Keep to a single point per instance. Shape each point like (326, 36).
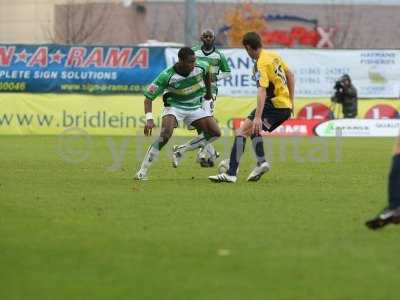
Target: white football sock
(151, 155)
(197, 142)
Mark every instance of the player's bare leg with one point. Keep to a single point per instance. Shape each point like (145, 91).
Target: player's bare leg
(211, 132)
(238, 147)
(236, 152)
(207, 155)
(258, 146)
(167, 128)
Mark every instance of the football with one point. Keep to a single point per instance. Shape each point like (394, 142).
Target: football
(223, 166)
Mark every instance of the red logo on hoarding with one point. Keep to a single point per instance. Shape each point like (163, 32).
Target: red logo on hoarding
(56, 57)
(40, 58)
(295, 127)
(22, 56)
(382, 111)
(95, 58)
(292, 127)
(79, 57)
(315, 111)
(122, 58)
(237, 122)
(115, 58)
(289, 31)
(288, 38)
(6, 55)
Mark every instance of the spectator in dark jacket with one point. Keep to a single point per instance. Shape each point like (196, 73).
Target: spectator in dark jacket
(346, 95)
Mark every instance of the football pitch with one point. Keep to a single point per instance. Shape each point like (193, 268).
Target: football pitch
(74, 225)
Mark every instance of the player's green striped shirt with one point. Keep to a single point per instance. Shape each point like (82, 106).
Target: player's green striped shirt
(219, 67)
(181, 92)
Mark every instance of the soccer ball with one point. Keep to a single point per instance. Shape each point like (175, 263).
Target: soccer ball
(206, 157)
(223, 166)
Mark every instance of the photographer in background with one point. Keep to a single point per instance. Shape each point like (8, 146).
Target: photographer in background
(345, 95)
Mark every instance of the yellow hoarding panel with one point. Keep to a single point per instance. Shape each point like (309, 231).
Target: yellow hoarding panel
(48, 114)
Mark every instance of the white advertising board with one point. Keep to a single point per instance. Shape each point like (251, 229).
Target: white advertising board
(375, 73)
(359, 128)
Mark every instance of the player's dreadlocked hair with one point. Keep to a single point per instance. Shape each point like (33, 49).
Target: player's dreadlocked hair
(252, 39)
(184, 53)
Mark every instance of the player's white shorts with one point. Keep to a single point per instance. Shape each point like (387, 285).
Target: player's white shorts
(208, 105)
(187, 116)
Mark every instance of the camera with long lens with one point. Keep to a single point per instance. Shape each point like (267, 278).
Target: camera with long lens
(345, 95)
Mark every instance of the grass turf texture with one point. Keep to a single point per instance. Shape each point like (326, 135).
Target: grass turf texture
(80, 231)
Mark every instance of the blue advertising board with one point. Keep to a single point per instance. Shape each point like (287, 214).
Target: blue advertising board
(78, 69)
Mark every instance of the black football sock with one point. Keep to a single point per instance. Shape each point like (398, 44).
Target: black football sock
(236, 153)
(258, 147)
(394, 183)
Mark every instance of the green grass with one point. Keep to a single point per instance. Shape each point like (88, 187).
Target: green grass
(81, 231)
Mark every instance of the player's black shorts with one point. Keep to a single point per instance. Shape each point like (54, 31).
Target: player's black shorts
(271, 117)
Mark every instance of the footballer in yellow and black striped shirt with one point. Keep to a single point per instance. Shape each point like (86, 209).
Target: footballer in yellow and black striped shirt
(275, 92)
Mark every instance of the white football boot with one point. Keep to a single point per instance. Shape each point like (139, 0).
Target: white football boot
(176, 156)
(223, 178)
(258, 171)
(141, 175)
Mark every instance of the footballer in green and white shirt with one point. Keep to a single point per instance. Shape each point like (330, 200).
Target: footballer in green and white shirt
(178, 91)
(184, 87)
(219, 69)
(207, 52)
